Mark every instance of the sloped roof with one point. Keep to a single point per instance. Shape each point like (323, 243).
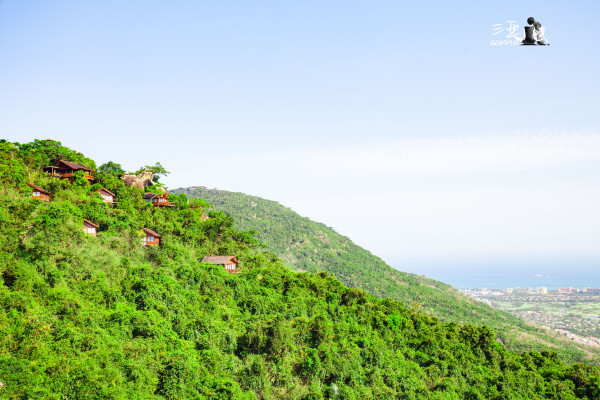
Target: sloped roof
(220, 259)
(107, 191)
(91, 223)
(151, 232)
(74, 165)
(36, 187)
(150, 195)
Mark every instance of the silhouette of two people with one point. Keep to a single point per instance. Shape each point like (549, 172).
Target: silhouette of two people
(534, 33)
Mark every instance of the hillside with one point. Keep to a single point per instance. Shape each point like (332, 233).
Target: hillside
(305, 245)
(102, 314)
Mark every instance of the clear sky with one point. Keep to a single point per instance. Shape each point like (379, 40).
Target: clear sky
(396, 123)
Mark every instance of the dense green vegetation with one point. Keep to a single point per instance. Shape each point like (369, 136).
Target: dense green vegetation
(305, 245)
(105, 317)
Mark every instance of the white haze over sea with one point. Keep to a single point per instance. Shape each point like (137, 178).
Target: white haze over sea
(416, 201)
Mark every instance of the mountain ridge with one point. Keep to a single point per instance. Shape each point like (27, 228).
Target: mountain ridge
(306, 245)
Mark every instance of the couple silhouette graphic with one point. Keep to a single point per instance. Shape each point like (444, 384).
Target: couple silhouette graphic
(535, 33)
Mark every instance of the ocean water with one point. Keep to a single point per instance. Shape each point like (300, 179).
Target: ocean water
(512, 274)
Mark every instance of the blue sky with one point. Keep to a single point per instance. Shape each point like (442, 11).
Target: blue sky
(394, 122)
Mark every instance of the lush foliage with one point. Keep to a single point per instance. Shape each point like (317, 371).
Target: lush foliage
(105, 317)
(42, 153)
(305, 245)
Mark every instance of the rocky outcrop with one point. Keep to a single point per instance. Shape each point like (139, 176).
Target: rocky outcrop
(132, 180)
(143, 179)
(147, 178)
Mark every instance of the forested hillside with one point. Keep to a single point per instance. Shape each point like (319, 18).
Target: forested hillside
(305, 245)
(107, 317)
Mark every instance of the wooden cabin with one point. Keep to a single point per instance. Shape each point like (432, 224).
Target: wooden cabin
(107, 196)
(158, 200)
(151, 239)
(89, 227)
(230, 263)
(39, 193)
(67, 169)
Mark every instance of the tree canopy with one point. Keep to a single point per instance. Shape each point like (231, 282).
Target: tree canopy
(106, 317)
(306, 245)
(111, 168)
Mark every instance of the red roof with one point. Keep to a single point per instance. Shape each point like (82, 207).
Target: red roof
(36, 187)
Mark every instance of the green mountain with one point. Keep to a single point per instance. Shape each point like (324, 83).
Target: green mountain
(305, 245)
(106, 317)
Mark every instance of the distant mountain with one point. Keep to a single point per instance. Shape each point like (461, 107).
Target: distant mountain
(306, 245)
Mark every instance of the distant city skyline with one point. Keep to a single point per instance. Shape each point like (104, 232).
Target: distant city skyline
(398, 125)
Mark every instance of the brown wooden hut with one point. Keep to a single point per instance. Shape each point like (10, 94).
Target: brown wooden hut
(230, 263)
(151, 239)
(39, 193)
(158, 200)
(89, 227)
(107, 196)
(67, 169)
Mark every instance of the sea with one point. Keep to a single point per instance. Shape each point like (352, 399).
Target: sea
(552, 274)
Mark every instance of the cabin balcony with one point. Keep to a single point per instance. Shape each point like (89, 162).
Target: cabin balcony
(41, 196)
(161, 202)
(71, 174)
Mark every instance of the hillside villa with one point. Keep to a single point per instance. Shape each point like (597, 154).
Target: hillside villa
(67, 169)
(151, 238)
(89, 227)
(39, 193)
(158, 200)
(107, 196)
(230, 263)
